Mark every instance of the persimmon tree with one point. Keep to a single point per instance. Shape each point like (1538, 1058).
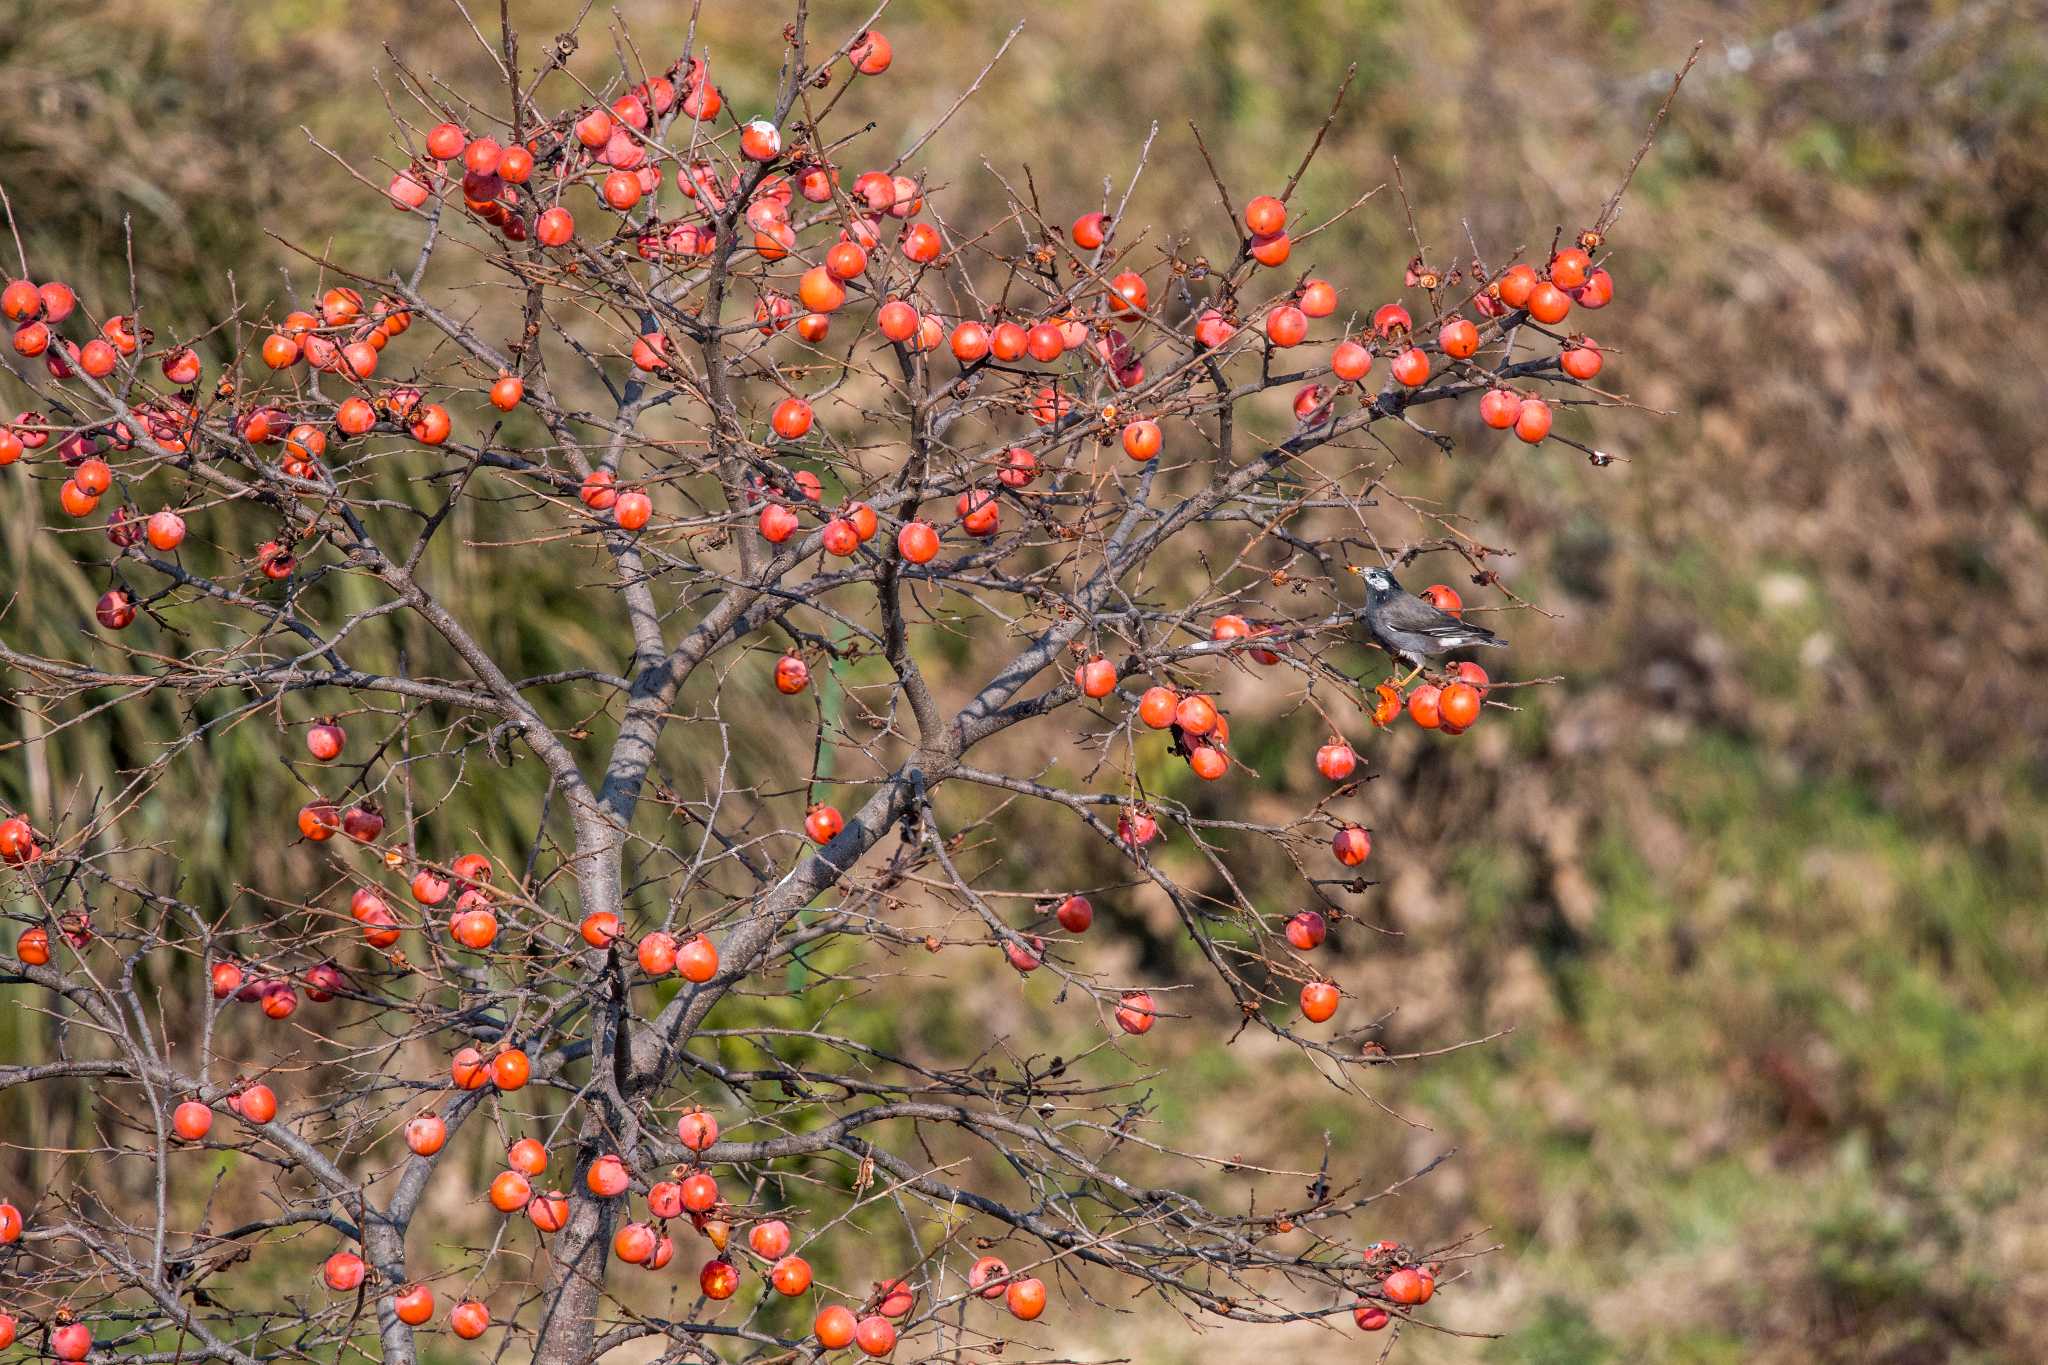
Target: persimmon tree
(1039, 487)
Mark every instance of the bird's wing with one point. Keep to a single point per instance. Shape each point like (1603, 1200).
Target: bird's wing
(1407, 612)
(1412, 614)
(1370, 620)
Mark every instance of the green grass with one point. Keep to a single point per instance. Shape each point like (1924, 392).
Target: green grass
(1836, 936)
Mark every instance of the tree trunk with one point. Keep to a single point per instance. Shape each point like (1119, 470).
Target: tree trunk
(576, 1266)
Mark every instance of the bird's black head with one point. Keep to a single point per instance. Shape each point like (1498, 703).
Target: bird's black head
(1380, 584)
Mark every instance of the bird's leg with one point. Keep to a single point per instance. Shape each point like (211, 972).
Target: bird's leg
(1409, 679)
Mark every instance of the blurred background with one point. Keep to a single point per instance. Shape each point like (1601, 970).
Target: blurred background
(1759, 888)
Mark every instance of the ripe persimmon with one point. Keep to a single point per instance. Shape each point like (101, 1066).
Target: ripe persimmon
(1352, 845)
(835, 1327)
(468, 1069)
(1142, 439)
(192, 1121)
(1286, 325)
(1336, 760)
(1458, 705)
(1157, 706)
(1075, 914)
(1135, 1011)
(1265, 215)
(426, 1134)
(1306, 930)
(607, 1177)
(1422, 706)
(1096, 678)
(1319, 1001)
(509, 1191)
(1195, 715)
(791, 1276)
(510, 1069)
(1532, 420)
(697, 1129)
(1026, 1298)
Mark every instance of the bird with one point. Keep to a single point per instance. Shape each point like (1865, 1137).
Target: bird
(1409, 628)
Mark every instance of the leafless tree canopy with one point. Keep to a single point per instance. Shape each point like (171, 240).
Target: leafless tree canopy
(867, 424)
